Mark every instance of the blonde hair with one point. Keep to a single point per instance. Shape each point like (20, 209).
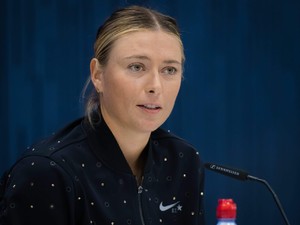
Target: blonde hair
(121, 22)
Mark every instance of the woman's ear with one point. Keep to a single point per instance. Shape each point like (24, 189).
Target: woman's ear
(96, 74)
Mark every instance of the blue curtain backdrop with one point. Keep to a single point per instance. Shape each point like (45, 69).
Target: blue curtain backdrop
(239, 103)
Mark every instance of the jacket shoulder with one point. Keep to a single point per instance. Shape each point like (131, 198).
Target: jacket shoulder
(163, 135)
(167, 138)
(69, 135)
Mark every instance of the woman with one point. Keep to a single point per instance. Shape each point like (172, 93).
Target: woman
(116, 166)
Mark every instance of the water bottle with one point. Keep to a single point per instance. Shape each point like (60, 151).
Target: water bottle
(226, 212)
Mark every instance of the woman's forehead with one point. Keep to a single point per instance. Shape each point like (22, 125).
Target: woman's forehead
(145, 42)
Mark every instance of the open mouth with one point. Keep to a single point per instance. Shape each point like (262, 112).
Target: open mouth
(150, 107)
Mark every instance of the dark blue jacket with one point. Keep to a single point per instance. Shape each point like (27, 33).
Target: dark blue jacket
(79, 176)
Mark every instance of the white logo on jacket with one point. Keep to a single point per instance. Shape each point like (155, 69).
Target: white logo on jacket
(164, 208)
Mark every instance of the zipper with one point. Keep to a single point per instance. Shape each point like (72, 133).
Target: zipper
(140, 191)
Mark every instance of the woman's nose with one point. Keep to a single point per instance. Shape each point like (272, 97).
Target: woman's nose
(154, 85)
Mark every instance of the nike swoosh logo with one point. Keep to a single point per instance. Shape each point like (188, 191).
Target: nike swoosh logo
(167, 207)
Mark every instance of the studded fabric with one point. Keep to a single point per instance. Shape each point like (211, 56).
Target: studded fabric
(79, 176)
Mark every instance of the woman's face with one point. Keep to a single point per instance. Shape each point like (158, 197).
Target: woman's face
(139, 85)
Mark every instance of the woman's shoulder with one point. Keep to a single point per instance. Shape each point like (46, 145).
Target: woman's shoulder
(68, 144)
(163, 136)
(70, 134)
(169, 142)
(175, 152)
(52, 154)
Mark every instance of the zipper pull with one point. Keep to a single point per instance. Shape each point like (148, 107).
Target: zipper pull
(140, 190)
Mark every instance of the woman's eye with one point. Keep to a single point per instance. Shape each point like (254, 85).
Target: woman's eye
(170, 70)
(136, 67)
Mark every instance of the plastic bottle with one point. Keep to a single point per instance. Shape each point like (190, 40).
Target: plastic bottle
(226, 212)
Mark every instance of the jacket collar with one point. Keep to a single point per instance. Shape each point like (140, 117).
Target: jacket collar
(104, 145)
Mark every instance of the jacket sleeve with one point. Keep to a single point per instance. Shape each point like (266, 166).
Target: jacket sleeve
(37, 191)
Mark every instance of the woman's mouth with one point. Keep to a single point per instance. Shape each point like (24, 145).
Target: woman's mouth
(150, 107)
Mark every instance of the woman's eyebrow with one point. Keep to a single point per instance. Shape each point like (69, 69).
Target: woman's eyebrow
(143, 57)
(137, 57)
(171, 61)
